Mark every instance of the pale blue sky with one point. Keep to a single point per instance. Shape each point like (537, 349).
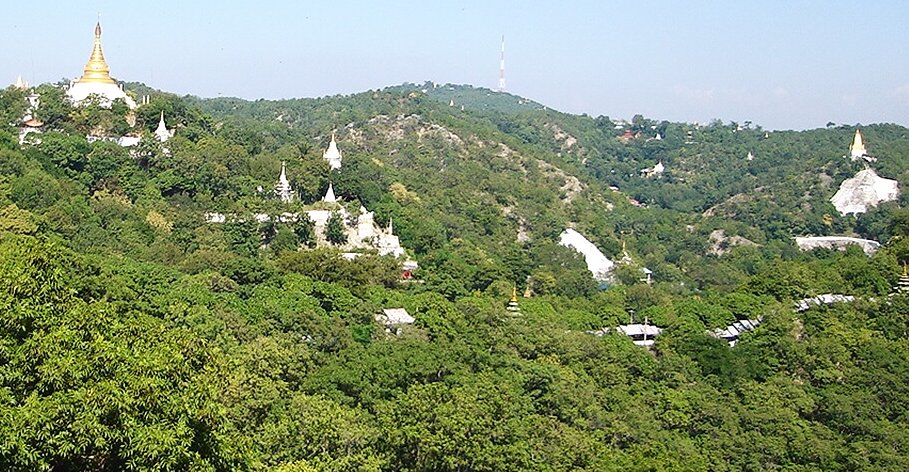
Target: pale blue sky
(781, 64)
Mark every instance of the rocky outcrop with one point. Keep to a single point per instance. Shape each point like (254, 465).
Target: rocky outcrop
(810, 243)
(721, 244)
(865, 190)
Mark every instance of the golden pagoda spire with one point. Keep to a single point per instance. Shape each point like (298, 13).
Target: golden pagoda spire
(97, 70)
(513, 303)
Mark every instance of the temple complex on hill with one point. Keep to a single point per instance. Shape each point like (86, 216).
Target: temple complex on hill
(360, 227)
(96, 79)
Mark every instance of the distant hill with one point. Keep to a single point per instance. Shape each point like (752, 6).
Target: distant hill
(479, 98)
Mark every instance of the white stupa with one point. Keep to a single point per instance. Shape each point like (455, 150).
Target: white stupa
(332, 154)
(283, 189)
(330, 195)
(865, 190)
(387, 243)
(96, 79)
(163, 134)
(20, 84)
(654, 171)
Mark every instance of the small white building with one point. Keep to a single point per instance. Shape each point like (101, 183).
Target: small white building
(655, 171)
(394, 320)
(806, 304)
(640, 334)
(733, 332)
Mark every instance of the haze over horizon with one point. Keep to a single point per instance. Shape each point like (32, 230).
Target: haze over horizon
(777, 64)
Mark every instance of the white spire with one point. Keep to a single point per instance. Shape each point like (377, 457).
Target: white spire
(283, 189)
(20, 84)
(451, 102)
(162, 133)
(391, 228)
(750, 156)
(332, 154)
(857, 150)
(501, 87)
(330, 195)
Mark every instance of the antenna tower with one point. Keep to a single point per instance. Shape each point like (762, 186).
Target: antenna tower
(501, 87)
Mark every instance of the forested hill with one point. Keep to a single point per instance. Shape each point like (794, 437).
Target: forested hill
(135, 335)
(783, 190)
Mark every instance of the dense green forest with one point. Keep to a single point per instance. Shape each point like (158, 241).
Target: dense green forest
(136, 336)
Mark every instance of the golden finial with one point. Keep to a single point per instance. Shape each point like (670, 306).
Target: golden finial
(513, 303)
(96, 69)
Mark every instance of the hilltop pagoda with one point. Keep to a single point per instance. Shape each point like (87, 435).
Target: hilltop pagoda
(857, 151)
(96, 79)
(20, 84)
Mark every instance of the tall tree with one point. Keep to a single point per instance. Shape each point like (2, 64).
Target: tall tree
(335, 229)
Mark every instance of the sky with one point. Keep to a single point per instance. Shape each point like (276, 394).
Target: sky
(780, 64)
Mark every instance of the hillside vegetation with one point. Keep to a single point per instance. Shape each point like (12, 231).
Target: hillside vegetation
(135, 336)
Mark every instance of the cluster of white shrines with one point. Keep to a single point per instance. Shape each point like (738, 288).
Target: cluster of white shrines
(361, 229)
(97, 85)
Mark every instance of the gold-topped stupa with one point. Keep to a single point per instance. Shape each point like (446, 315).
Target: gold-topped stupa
(96, 79)
(96, 69)
(513, 303)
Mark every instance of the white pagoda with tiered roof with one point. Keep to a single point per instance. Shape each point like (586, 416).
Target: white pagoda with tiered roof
(332, 154)
(20, 84)
(163, 134)
(283, 190)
